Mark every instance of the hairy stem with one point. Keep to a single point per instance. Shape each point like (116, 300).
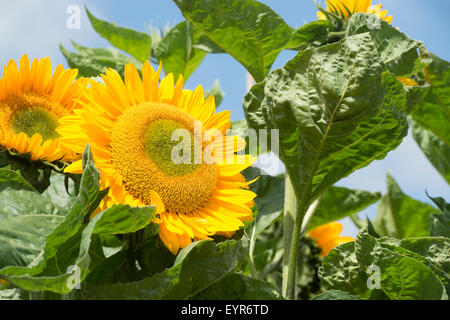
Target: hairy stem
(251, 262)
(297, 215)
(290, 213)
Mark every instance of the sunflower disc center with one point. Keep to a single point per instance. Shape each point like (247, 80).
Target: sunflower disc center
(159, 147)
(33, 121)
(141, 148)
(31, 114)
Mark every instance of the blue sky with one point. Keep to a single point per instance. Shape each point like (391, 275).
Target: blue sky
(37, 27)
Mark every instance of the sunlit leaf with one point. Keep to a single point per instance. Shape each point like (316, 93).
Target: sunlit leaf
(335, 110)
(401, 277)
(432, 112)
(440, 222)
(400, 216)
(136, 43)
(217, 92)
(436, 150)
(176, 50)
(92, 62)
(340, 202)
(248, 30)
(313, 34)
(396, 50)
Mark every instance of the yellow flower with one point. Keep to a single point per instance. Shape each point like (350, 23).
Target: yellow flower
(407, 81)
(327, 237)
(31, 103)
(340, 7)
(129, 125)
(3, 282)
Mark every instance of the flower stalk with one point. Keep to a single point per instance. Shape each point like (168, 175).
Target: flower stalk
(290, 212)
(297, 215)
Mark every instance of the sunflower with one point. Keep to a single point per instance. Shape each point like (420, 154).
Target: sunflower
(328, 237)
(31, 103)
(342, 8)
(130, 125)
(408, 82)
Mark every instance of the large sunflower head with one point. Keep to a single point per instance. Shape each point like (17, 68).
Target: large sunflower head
(328, 237)
(157, 143)
(345, 8)
(31, 103)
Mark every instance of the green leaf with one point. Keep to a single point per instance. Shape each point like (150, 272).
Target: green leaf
(176, 50)
(335, 110)
(205, 44)
(396, 50)
(400, 216)
(340, 270)
(87, 66)
(23, 241)
(270, 200)
(92, 62)
(440, 223)
(401, 270)
(115, 268)
(335, 295)
(84, 249)
(36, 173)
(3, 158)
(432, 112)
(154, 247)
(56, 193)
(313, 34)
(340, 202)
(440, 203)
(401, 277)
(38, 234)
(248, 30)
(434, 249)
(217, 92)
(18, 197)
(121, 219)
(414, 250)
(88, 198)
(136, 43)
(205, 264)
(240, 287)
(29, 260)
(436, 150)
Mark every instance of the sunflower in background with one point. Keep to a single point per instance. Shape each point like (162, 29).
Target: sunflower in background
(345, 8)
(407, 82)
(31, 103)
(328, 237)
(129, 125)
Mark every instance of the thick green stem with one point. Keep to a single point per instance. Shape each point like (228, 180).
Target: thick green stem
(295, 212)
(251, 249)
(293, 254)
(289, 217)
